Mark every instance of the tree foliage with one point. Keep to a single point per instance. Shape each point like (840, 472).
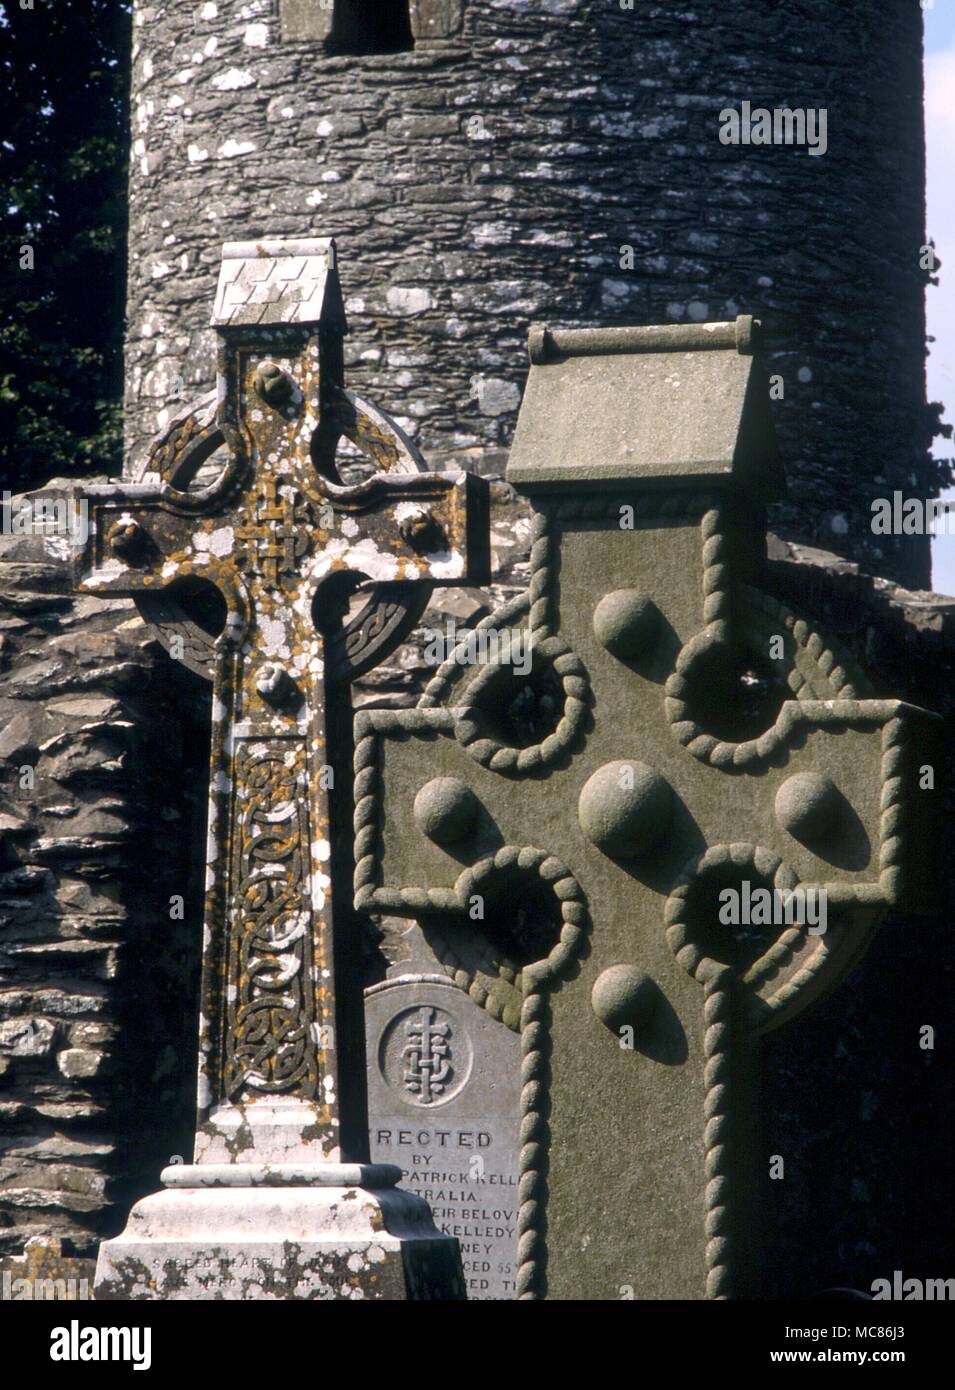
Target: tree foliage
(63, 151)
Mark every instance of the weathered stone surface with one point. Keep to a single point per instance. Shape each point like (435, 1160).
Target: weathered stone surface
(87, 868)
(27, 1037)
(77, 1062)
(578, 928)
(44, 1272)
(443, 1103)
(358, 1240)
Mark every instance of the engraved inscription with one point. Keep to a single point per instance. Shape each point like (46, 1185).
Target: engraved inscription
(465, 1176)
(459, 1150)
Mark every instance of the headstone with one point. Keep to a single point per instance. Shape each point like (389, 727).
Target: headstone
(627, 852)
(281, 1200)
(444, 1105)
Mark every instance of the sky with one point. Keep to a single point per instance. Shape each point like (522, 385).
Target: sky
(940, 300)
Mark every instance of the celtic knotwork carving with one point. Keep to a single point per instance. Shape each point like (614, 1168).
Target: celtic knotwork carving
(246, 546)
(375, 621)
(385, 620)
(188, 441)
(272, 1048)
(281, 534)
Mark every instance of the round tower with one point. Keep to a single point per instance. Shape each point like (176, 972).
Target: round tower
(484, 164)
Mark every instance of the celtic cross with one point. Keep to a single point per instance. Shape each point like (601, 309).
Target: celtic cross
(249, 499)
(681, 742)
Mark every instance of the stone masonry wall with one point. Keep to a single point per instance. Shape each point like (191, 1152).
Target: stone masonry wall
(480, 183)
(101, 743)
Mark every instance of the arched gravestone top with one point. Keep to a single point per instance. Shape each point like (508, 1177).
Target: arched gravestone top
(688, 737)
(444, 1105)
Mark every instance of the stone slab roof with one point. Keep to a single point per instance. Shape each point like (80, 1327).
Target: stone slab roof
(646, 406)
(277, 281)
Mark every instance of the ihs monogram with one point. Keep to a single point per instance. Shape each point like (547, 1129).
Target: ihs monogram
(427, 1055)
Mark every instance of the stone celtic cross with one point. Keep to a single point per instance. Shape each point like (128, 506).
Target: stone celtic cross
(680, 737)
(285, 541)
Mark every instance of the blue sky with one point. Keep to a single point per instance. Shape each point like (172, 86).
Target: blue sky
(940, 300)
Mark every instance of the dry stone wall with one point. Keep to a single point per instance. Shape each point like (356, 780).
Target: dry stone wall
(101, 740)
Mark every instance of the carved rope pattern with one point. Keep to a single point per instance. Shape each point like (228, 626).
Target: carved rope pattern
(540, 588)
(539, 595)
(812, 652)
(678, 931)
(531, 1191)
(531, 1250)
(812, 656)
(716, 572)
(472, 983)
(574, 924)
(439, 686)
(894, 834)
(367, 790)
(717, 1008)
(470, 726)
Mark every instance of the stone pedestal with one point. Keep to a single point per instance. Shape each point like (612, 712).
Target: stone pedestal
(288, 1232)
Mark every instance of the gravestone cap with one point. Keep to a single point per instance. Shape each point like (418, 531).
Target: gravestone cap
(676, 405)
(279, 280)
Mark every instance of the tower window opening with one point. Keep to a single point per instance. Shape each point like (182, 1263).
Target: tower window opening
(371, 26)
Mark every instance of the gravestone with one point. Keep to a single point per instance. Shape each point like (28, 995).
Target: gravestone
(578, 838)
(443, 1104)
(281, 1200)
